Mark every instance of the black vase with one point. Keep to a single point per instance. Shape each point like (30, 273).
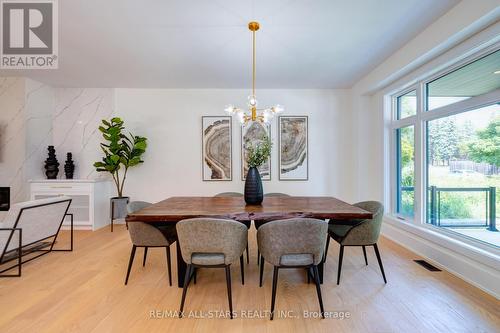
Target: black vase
(69, 166)
(51, 164)
(253, 187)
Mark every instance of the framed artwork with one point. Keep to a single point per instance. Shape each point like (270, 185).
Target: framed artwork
(293, 148)
(217, 147)
(253, 132)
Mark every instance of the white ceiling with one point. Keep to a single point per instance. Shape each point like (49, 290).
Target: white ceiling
(206, 43)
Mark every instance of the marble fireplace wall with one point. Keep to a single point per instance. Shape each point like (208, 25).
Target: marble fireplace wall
(26, 108)
(77, 116)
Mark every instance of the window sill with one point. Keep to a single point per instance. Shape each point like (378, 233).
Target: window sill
(482, 253)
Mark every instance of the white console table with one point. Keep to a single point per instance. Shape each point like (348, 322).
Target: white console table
(90, 204)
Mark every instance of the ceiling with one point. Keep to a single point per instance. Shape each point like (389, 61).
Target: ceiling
(206, 43)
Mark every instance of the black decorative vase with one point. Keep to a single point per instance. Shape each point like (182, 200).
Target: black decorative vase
(51, 164)
(69, 166)
(253, 187)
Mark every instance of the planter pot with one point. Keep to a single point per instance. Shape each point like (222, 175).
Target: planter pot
(253, 187)
(119, 207)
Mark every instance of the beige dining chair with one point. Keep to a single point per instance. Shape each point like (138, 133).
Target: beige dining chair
(293, 243)
(146, 235)
(211, 243)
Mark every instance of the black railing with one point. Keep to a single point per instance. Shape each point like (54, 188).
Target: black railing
(434, 210)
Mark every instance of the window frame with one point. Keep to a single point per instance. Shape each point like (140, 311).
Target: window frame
(419, 121)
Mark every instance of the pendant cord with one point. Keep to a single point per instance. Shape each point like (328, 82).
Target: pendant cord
(253, 73)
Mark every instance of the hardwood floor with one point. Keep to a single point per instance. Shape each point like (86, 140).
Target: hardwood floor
(83, 291)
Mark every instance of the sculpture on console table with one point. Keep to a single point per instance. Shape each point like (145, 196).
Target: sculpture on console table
(51, 164)
(69, 166)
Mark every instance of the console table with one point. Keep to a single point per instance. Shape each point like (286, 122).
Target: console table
(90, 204)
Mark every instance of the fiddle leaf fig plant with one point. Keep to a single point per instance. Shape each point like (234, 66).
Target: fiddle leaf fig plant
(120, 151)
(258, 153)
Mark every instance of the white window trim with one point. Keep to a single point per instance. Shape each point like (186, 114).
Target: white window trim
(423, 229)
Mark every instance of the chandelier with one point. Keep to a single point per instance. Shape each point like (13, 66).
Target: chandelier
(264, 115)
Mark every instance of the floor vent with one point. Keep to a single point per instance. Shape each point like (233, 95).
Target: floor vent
(427, 266)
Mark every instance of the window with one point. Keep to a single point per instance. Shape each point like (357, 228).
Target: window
(474, 79)
(407, 105)
(446, 150)
(405, 169)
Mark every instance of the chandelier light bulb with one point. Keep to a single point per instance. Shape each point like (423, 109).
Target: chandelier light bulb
(229, 108)
(278, 108)
(252, 101)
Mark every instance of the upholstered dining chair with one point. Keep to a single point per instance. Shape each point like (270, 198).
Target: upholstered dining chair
(211, 243)
(259, 223)
(248, 224)
(293, 243)
(146, 235)
(358, 233)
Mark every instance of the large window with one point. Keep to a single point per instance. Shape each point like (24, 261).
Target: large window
(455, 167)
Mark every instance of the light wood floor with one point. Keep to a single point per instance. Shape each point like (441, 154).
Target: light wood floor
(83, 291)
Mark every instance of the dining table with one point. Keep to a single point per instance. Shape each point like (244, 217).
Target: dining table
(175, 209)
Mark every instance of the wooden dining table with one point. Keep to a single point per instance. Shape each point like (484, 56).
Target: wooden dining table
(175, 209)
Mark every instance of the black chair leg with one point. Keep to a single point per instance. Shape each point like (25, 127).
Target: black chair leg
(258, 257)
(131, 260)
(229, 296)
(195, 270)
(308, 276)
(169, 266)
(275, 284)
(187, 278)
(327, 246)
(364, 253)
(318, 290)
(145, 255)
(242, 270)
(341, 255)
(379, 261)
(248, 255)
(261, 270)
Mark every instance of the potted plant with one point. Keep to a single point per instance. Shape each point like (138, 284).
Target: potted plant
(257, 154)
(121, 152)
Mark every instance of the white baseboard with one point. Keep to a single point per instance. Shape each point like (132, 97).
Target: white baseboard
(482, 276)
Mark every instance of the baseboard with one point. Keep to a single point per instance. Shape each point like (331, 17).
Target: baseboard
(479, 275)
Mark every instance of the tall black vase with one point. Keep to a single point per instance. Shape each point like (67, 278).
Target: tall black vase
(253, 187)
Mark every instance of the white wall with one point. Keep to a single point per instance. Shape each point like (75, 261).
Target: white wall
(171, 120)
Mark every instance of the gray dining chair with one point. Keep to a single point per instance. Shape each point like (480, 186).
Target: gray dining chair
(211, 243)
(293, 243)
(259, 223)
(358, 233)
(146, 235)
(248, 224)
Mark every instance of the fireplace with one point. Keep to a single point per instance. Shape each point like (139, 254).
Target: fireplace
(4, 198)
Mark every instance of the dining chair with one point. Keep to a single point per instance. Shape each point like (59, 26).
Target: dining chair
(146, 235)
(293, 243)
(259, 223)
(248, 224)
(211, 243)
(358, 233)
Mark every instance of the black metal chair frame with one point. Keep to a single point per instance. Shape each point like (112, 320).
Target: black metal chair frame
(132, 255)
(20, 248)
(191, 274)
(312, 272)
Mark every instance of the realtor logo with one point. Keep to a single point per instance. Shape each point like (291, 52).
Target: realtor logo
(29, 36)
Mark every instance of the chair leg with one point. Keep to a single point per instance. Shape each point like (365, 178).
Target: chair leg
(169, 266)
(364, 253)
(308, 276)
(261, 270)
(195, 270)
(327, 246)
(318, 290)
(341, 255)
(184, 289)
(242, 270)
(131, 260)
(229, 296)
(275, 284)
(379, 261)
(248, 255)
(258, 257)
(145, 255)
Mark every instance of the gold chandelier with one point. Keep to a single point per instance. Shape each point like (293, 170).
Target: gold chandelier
(263, 115)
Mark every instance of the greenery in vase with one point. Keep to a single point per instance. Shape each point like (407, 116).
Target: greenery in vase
(120, 151)
(258, 153)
